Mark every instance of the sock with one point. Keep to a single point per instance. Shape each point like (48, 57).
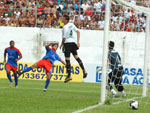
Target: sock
(16, 81)
(27, 69)
(81, 64)
(113, 91)
(68, 66)
(47, 83)
(9, 77)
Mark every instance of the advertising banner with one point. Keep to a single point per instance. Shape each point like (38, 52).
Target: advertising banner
(59, 72)
(132, 76)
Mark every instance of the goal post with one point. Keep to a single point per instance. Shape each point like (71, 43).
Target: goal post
(147, 36)
(105, 51)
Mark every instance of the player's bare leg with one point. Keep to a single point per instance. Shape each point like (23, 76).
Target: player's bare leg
(9, 77)
(68, 65)
(81, 65)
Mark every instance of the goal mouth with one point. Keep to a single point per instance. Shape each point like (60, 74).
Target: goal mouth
(133, 49)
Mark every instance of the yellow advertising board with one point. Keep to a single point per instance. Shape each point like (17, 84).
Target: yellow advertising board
(59, 72)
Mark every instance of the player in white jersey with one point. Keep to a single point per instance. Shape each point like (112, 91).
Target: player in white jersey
(70, 45)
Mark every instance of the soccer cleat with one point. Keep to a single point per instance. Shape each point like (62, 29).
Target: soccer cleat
(16, 86)
(85, 74)
(19, 73)
(44, 90)
(67, 79)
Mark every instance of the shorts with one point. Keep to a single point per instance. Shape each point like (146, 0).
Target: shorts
(116, 74)
(46, 64)
(70, 48)
(11, 68)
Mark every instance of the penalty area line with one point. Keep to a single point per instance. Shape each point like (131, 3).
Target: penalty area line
(88, 108)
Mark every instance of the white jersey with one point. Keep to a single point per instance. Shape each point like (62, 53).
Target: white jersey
(67, 32)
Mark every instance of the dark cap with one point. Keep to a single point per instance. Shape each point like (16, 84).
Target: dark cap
(111, 44)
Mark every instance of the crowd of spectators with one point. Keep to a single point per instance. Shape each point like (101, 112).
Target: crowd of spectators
(85, 14)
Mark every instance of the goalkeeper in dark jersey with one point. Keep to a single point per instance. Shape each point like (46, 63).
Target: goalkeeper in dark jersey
(117, 71)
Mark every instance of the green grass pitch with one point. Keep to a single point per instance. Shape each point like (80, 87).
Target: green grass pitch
(64, 98)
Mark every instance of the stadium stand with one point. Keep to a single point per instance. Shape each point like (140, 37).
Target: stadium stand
(86, 14)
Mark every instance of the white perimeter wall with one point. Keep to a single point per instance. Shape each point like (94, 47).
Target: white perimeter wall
(30, 42)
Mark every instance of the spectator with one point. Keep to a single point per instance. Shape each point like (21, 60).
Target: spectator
(128, 29)
(17, 13)
(6, 18)
(97, 6)
(51, 18)
(91, 14)
(40, 21)
(22, 21)
(70, 6)
(47, 9)
(32, 21)
(81, 16)
(53, 9)
(76, 6)
(44, 15)
(92, 24)
(87, 27)
(60, 22)
(76, 21)
(72, 19)
(9, 13)
(8, 2)
(47, 23)
(141, 29)
(89, 11)
(96, 16)
(85, 6)
(97, 26)
(118, 25)
(135, 28)
(15, 21)
(101, 23)
(10, 23)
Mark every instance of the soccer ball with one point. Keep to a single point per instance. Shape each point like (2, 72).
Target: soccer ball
(134, 104)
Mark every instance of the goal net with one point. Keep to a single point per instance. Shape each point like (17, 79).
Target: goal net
(131, 21)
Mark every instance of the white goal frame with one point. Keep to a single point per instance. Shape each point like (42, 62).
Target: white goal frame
(105, 48)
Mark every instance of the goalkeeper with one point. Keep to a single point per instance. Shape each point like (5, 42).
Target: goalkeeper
(117, 71)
